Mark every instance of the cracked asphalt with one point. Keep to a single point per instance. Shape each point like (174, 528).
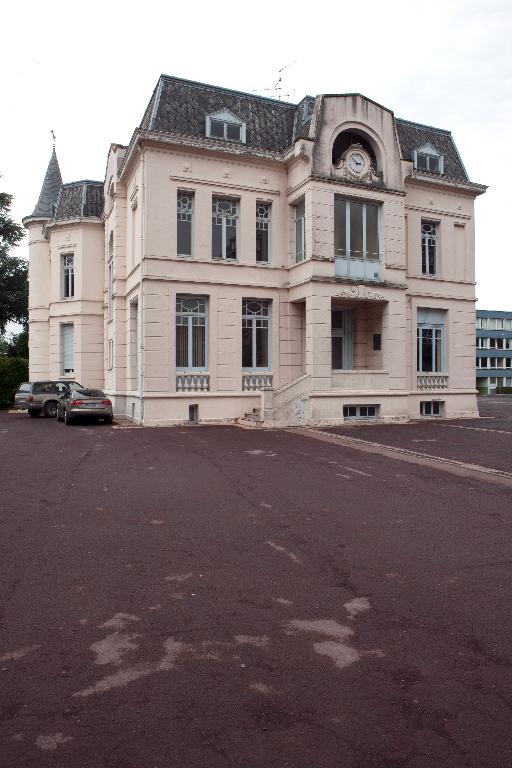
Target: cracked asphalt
(213, 597)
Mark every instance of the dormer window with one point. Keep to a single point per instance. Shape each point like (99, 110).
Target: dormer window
(225, 126)
(428, 159)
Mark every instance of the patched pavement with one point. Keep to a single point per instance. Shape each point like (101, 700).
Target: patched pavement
(486, 441)
(219, 597)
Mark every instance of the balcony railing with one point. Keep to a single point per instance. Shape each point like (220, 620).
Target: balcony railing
(358, 269)
(251, 382)
(432, 381)
(193, 382)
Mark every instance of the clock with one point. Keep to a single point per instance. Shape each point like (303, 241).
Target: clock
(357, 161)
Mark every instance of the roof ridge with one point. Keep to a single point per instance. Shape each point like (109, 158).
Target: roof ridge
(82, 181)
(222, 89)
(423, 125)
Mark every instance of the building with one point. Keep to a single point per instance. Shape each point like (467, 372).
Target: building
(309, 262)
(493, 350)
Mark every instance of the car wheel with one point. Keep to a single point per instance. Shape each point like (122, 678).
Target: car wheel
(34, 413)
(67, 419)
(50, 409)
(108, 419)
(59, 417)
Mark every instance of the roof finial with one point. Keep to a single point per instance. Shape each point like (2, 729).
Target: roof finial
(53, 136)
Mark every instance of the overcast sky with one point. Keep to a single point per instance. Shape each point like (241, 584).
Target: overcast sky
(87, 71)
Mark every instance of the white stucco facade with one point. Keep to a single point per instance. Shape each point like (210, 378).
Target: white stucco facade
(371, 319)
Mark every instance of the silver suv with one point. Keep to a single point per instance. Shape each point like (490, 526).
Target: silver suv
(43, 396)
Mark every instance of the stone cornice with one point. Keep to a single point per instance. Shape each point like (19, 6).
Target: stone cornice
(210, 147)
(440, 182)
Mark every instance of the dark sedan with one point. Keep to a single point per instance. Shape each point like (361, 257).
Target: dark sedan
(90, 403)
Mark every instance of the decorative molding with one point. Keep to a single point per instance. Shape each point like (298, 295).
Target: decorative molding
(232, 185)
(134, 191)
(360, 292)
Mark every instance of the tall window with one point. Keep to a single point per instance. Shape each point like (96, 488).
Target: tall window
(428, 248)
(255, 334)
(224, 228)
(110, 289)
(430, 340)
(184, 222)
(67, 341)
(262, 232)
(191, 324)
(68, 273)
(341, 339)
(356, 229)
(300, 232)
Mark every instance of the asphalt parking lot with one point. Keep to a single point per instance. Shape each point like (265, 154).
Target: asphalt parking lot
(217, 597)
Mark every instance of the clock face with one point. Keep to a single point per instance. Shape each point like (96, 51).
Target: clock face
(357, 162)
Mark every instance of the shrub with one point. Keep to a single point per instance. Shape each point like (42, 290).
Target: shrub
(504, 390)
(13, 371)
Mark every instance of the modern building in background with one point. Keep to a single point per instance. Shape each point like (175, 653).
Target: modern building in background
(311, 262)
(493, 350)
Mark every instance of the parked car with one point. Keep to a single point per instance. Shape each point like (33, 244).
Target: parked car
(20, 398)
(43, 396)
(92, 403)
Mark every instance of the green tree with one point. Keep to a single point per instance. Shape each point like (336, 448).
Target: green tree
(15, 345)
(13, 269)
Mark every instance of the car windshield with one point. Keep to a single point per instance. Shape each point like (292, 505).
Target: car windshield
(24, 387)
(73, 386)
(89, 393)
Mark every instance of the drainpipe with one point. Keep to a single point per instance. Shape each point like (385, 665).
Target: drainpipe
(142, 266)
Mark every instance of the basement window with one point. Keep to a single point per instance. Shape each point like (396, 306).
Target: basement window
(431, 408)
(360, 412)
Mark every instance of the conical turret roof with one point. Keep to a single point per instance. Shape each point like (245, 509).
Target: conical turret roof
(50, 189)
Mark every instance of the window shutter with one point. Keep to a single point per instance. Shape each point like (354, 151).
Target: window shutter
(67, 349)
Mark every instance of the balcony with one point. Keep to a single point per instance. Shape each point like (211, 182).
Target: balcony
(353, 268)
(354, 380)
(432, 381)
(193, 382)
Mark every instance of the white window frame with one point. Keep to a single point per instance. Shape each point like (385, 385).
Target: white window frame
(300, 226)
(110, 354)
(110, 290)
(356, 416)
(432, 405)
(226, 117)
(185, 213)
(264, 224)
(363, 255)
(429, 240)
(428, 151)
(189, 316)
(68, 275)
(223, 225)
(435, 321)
(252, 320)
(70, 370)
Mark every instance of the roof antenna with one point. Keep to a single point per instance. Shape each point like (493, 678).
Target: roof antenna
(53, 137)
(278, 87)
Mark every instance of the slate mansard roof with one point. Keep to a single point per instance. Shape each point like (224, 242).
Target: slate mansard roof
(181, 107)
(79, 199)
